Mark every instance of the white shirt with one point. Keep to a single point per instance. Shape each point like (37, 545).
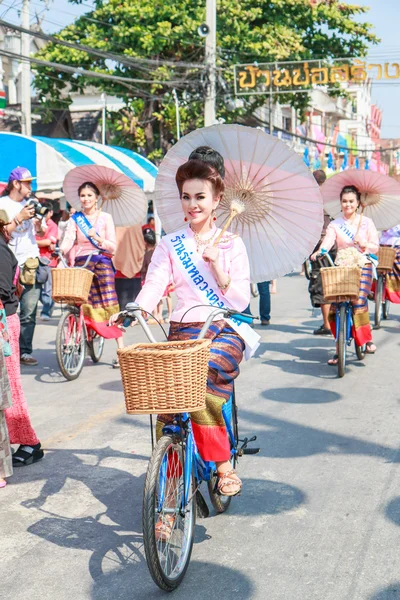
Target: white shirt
(23, 240)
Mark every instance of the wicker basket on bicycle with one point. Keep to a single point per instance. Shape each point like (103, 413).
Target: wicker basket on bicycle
(386, 256)
(71, 285)
(169, 377)
(341, 284)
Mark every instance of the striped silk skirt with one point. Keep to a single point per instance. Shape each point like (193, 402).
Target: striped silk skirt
(361, 328)
(102, 301)
(208, 425)
(393, 281)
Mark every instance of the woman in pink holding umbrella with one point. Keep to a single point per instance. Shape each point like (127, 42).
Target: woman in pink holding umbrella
(93, 231)
(353, 231)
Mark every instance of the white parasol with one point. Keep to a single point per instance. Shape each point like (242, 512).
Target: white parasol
(121, 197)
(380, 195)
(283, 216)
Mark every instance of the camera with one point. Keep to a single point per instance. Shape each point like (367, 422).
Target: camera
(203, 30)
(40, 210)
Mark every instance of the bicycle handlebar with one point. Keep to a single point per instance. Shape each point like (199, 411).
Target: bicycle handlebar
(133, 312)
(57, 252)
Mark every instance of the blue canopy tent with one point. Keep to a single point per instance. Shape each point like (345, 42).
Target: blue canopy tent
(50, 159)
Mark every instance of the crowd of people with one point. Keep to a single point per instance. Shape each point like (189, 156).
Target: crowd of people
(128, 264)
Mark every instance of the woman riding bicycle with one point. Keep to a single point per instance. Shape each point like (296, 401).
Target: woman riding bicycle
(87, 232)
(225, 267)
(353, 231)
(391, 237)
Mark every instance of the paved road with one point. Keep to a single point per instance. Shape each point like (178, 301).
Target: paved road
(319, 515)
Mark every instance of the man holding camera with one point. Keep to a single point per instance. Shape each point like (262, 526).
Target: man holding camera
(22, 230)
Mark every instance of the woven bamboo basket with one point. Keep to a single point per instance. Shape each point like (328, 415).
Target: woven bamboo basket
(71, 285)
(386, 256)
(170, 377)
(341, 283)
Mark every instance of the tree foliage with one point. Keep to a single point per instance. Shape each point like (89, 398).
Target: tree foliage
(165, 31)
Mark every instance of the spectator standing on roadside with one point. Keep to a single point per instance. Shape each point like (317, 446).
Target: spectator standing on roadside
(47, 241)
(22, 230)
(18, 422)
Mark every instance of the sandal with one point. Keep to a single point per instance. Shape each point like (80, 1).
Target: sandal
(334, 360)
(164, 528)
(27, 455)
(371, 348)
(225, 480)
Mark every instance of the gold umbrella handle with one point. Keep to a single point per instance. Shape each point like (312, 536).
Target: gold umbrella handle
(225, 227)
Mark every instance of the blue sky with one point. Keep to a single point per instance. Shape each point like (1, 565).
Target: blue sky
(383, 15)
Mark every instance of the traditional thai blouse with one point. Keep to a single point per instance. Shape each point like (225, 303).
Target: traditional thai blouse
(234, 262)
(343, 232)
(105, 228)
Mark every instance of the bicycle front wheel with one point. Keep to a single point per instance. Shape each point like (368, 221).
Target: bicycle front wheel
(378, 301)
(342, 340)
(168, 521)
(70, 345)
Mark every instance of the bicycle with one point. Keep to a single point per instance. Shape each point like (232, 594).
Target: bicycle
(174, 475)
(344, 330)
(74, 335)
(382, 304)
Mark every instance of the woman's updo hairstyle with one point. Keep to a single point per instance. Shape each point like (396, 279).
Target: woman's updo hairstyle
(351, 189)
(89, 184)
(197, 169)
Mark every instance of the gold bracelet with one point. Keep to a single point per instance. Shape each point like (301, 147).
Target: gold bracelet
(225, 287)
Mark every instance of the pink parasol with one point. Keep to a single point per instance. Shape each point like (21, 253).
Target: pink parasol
(121, 197)
(283, 213)
(380, 195)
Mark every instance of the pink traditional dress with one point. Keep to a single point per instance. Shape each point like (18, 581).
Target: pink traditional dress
(103, 301)
(391, 237)
(178, 259)
(343, 232)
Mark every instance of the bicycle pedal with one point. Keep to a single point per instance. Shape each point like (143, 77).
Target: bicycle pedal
(251, 450)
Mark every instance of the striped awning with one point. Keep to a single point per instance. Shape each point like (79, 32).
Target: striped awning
(50, 159)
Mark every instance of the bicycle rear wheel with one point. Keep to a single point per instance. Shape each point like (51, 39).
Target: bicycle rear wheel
(95, 346)
(168, 559)
(386, 309)
(378, 301)
(360, 350)
(221, 503)
(342, 340)
(70, 345)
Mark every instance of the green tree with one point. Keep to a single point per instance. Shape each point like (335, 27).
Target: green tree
(159, 44)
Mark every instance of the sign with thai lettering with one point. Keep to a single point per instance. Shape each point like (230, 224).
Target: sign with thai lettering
(300, 76)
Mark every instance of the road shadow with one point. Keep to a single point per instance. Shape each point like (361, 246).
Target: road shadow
(392, 592)
(265, 497)
(293, 395)
(392, 511)
(279, 438)
(310, 357)
(202, 580)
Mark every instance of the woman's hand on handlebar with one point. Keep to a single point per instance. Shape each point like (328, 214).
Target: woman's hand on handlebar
(314, 256)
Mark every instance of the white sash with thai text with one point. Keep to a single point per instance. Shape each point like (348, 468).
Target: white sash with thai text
(183, 251)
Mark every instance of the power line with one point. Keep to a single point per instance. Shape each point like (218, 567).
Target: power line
(87, 73)
(123, 59)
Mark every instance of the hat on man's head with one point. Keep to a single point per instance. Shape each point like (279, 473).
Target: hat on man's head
(20, 174)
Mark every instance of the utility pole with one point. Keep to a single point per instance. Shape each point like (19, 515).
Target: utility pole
(210, 61)
(103, 119)
(178, 116)
(26, 73)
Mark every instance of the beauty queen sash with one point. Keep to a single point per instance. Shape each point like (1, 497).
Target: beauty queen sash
(85, 226)
(183, 251)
